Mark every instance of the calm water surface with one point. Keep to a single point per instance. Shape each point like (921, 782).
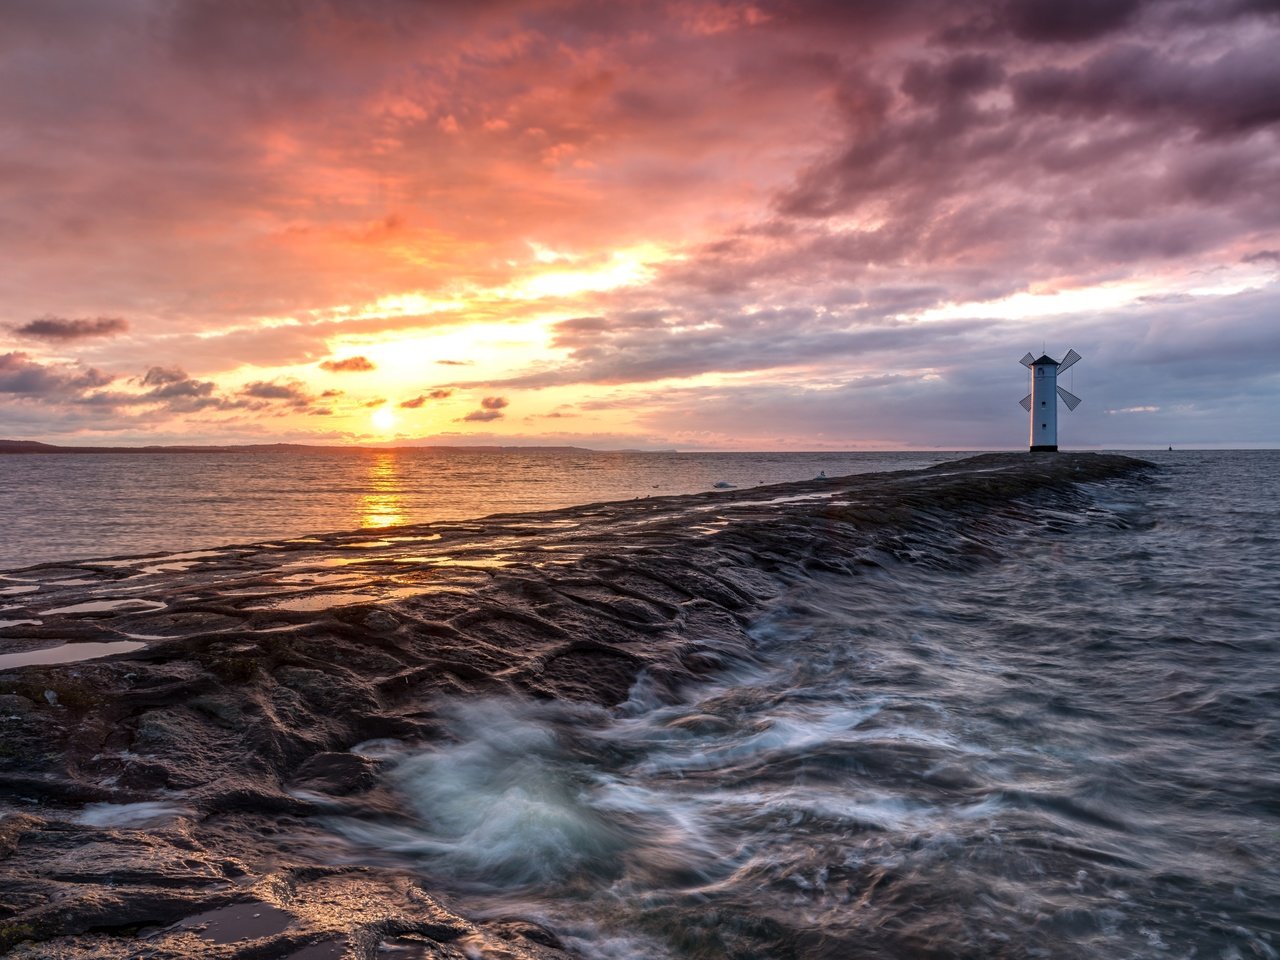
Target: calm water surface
(69, 506)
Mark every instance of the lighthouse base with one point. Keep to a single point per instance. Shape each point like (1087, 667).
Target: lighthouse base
(1045, 448)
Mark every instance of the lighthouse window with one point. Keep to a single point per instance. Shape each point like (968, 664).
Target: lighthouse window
(1043, 403)
(1044, 426)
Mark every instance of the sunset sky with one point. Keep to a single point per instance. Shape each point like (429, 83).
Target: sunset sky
(701, 225)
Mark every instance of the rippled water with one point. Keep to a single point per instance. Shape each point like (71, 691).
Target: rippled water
(1069, 750)
(71, 506)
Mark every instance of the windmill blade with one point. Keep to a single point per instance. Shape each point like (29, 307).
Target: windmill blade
(1026, 403)
(1027, 360)
(1067, 361)
(1070, 399)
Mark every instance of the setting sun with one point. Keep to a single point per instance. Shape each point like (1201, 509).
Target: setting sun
(384, 419)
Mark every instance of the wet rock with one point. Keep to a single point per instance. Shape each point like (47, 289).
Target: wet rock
(242, 719)
(339, 774)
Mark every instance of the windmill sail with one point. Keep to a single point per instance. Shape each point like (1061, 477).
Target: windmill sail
(1070, 399)
(1026, 402)
(1067, 361)
(1027, 360)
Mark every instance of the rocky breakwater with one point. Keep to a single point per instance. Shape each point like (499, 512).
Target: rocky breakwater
(174, 729)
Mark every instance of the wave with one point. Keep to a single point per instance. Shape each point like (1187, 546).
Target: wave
(292, 694)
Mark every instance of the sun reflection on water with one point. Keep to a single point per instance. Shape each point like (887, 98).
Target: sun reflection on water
(383, 505)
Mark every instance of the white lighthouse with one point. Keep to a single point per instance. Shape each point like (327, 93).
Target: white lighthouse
(1042, 401)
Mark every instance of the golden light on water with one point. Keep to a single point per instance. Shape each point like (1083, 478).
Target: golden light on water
(383, 505)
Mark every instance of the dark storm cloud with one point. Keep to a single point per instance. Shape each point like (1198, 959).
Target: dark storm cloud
(348, 365)
(950, 80)
(1054, 21)
(60, 328)
(1233, 93)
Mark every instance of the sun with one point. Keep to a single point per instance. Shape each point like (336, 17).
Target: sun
(384, 419)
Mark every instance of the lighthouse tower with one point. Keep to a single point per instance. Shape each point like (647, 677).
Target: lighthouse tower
(1042, 401)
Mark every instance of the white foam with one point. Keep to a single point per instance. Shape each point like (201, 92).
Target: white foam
(148, 813)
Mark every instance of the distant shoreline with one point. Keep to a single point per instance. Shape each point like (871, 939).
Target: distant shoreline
(36, 447)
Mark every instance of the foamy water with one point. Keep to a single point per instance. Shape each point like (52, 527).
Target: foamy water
(1070, 751)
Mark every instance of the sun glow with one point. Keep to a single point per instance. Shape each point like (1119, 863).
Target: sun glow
(384, 419)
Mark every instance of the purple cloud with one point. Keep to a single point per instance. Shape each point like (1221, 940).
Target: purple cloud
(59, 328)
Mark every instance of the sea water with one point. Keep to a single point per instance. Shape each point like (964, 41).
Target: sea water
(1070, 749)
(74, 506)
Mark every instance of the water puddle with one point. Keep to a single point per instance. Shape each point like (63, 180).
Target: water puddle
(320, 601)
(239, 922)
(132, 604)
(67, 653)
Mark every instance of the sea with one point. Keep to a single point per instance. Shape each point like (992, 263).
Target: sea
(1069, 748)
(75, 506)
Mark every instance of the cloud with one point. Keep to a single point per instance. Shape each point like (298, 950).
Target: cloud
(22, 376)
(160, 376)
(1262, 256)
(491, 408)
(59, 328)
(421, 399)
(293, 392)
(636, 202)
(347, 365)
(1230, 94)
(1048, 21)
(482, 416)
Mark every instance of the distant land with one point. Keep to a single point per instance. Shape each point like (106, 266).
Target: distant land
(35, 446)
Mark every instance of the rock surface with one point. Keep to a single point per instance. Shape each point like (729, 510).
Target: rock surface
(165, 802)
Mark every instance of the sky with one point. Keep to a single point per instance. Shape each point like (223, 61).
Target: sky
(785, 224)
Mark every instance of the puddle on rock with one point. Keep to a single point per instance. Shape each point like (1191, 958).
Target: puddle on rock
(108, 606)
(240, 921)
(67, 653)
(320, 601)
